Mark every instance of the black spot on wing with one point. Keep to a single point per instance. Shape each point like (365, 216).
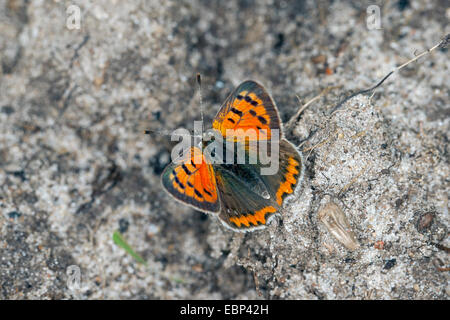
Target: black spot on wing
(188, 172)
(198, 193)
(178, 182)
(262, 119)
(236, 111)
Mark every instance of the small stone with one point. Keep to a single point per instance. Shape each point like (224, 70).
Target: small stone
(14, 214)
(7, 110)
(379, 245)
(425, 221)
(390, 264)
(321, 58)
(123, 225)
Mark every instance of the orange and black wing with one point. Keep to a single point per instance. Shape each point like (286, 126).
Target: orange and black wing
(191, 180)
(249, 106)
(290, 172)
(243, 209)
(250, 200)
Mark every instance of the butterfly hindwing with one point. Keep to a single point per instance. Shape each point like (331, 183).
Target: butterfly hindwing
(191, 180)
(250, 199)
(248, 107)
(289, 175)
(243, 207)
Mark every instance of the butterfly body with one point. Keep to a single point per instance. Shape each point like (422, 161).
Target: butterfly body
(237, 191)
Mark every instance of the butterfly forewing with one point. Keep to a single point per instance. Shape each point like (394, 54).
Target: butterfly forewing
(248, 107)
(192, 181)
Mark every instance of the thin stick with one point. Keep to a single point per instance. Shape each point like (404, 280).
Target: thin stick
(442, 44)
(299, 112)
(167, 133)
(199, 85)
(346, 187)
(316, 146)
(158, 132)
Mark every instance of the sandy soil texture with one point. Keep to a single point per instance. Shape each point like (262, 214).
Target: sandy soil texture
(75, 165)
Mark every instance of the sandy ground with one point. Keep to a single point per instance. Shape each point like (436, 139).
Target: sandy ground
(75, 165)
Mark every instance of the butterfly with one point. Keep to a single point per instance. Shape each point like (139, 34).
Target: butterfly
(238, 194)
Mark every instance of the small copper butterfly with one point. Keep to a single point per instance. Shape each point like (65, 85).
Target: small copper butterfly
(238, 194)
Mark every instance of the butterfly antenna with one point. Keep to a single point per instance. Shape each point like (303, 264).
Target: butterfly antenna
(157, 132)
(164, 133)
(199, 85)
